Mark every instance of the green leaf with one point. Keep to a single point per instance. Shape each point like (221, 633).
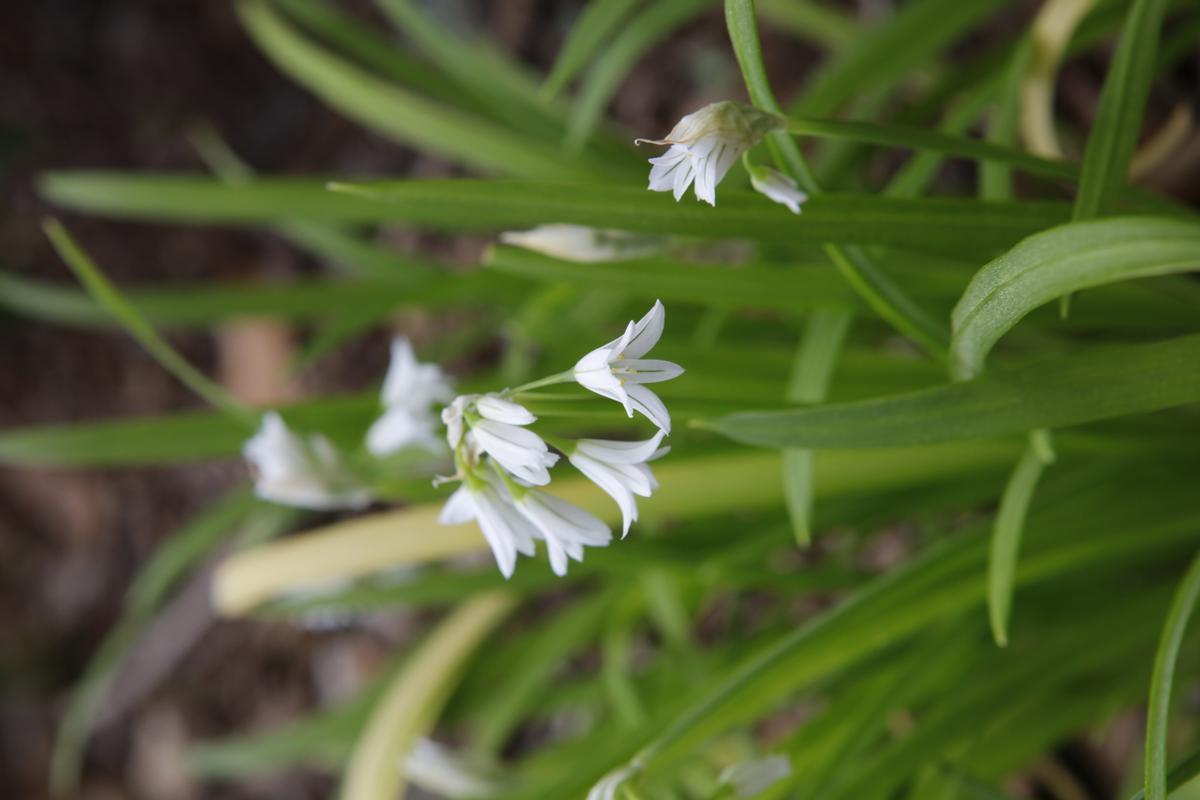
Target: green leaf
(1119, 115)
(931, 224)
(182, 437)
(812, 371)
(1060, 261)
(884, 56)
(396, 113)
(920, 139)
(613, 65)
(136, 325)
(1006, 532)
(1065, 390)
(745, 285)
(1163, 677)
(413, 700)
(598, 20)
(811, 20)
(201, 305)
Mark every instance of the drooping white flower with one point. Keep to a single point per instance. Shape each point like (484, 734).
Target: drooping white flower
(409, 388)
(617, 371)
(436, 768)
(778, 187)
(581, 243)
(507, 532)
(620, 469)
(301, 472)
(752, 778)
(492, 424)
(606, 788)
(705, 144)
(567, 528)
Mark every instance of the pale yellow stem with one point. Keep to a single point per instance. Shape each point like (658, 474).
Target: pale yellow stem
(1051, 31)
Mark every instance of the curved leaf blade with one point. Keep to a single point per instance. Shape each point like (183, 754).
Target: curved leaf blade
(1060, 261)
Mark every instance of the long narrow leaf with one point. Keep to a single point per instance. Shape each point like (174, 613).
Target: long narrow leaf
(1048, 393)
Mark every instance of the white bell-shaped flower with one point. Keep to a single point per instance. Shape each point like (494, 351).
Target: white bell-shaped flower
(567, 528)
(620, 469)
(617, 369)
(409, 389)
(705, 144)
(507, 532)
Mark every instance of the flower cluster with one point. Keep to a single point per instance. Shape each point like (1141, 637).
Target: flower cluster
(502, 463)
(308, 472)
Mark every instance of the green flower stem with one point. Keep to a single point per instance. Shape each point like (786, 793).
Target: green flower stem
(856, 266)
(566, 376)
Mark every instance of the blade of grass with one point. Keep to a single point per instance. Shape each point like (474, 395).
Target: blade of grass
(1165, 658)
(937, 225)
(612, 66)
(1006, 532)
(598, 20)
(816, 357)
(414, 700)
(811, 20)
(136, 325)
(1118, 121)
(919, 139)
(1101, 383)
(398, 114)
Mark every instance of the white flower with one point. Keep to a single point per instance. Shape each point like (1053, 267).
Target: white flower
(606, 787)
(491, 424)
(297, 472)
(437, 769)
(581, 243)
(566, 528)
(506, 531)
(705, 144)
(778, 187)
(408, 390)
(619, 468)
(617, 371)
(751, 778)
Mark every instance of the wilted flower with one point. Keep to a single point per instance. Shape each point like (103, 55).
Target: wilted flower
(409, 389)
(294, 471)
(567, 528)
(617, 372)
(705, 144)
(620, 469)
(581, 243)
(778, 187)
(751, 778)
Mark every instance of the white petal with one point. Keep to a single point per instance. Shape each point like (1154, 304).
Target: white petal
(458, 509)
(620, 452)
(647, 403)
(399, 428)
(496, 408)
(496, 529)
(648, 370)
(646, 332)
(604, 477)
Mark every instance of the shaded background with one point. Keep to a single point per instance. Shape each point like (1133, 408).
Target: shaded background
(119, 84)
